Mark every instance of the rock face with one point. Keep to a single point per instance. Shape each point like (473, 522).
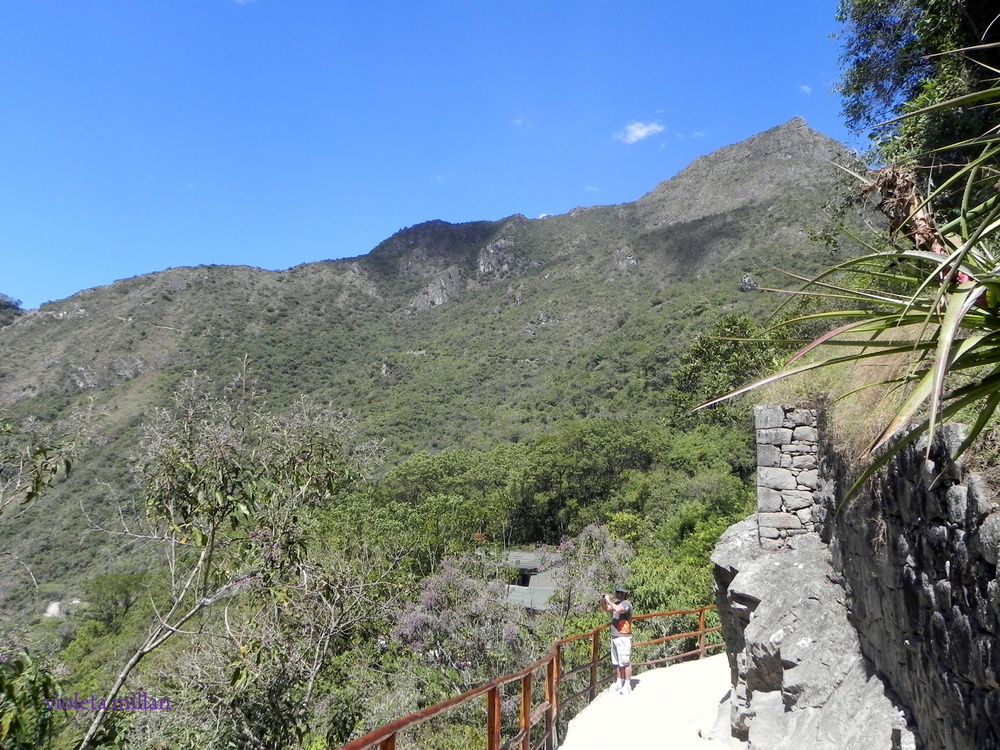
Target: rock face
(880, 628)
(800, 679)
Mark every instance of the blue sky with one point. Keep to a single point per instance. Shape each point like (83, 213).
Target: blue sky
(138, 135)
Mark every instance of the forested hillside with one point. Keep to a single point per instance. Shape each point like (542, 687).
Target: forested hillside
(459, 391)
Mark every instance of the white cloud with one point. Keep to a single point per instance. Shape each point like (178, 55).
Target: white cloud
(590, 189)
(806, 89)
(636, 131)
(518, 121)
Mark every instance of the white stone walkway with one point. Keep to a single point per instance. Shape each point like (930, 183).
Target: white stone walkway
(669, 708)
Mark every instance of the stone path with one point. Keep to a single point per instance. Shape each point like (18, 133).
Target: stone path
(669, 708)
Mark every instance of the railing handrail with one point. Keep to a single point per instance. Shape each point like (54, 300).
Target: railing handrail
(385, 736)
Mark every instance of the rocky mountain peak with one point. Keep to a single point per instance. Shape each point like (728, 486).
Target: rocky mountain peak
(436, 239)
(743, 174)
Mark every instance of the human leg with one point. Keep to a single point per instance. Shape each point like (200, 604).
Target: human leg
(625, 665)
(616, 663)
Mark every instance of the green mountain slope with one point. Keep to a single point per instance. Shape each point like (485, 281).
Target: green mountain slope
(444, 335)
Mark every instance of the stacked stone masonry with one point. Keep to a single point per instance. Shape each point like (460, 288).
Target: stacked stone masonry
(787, 473)
(918, 552)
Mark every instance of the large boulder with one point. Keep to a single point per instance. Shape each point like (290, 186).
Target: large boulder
(799, 677)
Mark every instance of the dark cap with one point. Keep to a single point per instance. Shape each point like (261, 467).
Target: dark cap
(621, 588)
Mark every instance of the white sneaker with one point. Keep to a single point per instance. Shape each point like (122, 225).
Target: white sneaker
(624, 690)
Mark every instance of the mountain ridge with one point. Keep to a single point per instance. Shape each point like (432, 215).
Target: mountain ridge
(444, 335)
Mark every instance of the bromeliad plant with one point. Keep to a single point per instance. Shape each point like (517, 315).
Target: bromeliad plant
(933, 300)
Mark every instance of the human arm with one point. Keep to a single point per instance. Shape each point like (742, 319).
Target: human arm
(611, 605)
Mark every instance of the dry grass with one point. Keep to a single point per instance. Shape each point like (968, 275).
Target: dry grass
(854, 417)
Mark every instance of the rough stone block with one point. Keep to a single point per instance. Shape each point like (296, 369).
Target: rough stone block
(809, 478)
(800, 417)
(988, 538)
(768, 455)
(905, 501)
(769, 533)
(776, 479)
(772, 544)
(797, 449)
(984, 658)
(776, 436)
(980, 496)
(767, 416)
(928, 597)
(940, 639)
(928, 473)
(805, 434)
(951, 435)
(797, 499)
(768, 500)
(806, 461)
(958, 503)
(987, 622)
(961, 640)
(779, 520)
(942, 594)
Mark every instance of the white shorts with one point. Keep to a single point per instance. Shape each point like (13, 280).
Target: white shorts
(621, 651)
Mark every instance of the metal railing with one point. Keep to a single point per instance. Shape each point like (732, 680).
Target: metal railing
(546, 712)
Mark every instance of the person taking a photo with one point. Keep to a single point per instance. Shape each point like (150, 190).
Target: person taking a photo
(620, 609)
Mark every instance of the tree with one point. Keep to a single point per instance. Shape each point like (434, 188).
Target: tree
(10, 309)
(30, 462)
(463, 628)
(894, 65)
(717, 361)
(591, 563)
(230, 491)
(27, 703)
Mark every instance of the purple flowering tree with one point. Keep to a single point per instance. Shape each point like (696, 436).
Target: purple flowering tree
(461, 628)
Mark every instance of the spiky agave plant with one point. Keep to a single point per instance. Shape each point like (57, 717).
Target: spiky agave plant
(945, 314)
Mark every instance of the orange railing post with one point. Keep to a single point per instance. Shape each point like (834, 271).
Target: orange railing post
(701, 633)
(526, 711)
(493, 719)
(595, 654)
(552, 698)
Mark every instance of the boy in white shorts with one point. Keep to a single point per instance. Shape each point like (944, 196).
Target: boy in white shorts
(621, 637)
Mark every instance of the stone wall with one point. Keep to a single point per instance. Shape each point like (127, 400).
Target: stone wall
(787, 473)
(918, 555)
